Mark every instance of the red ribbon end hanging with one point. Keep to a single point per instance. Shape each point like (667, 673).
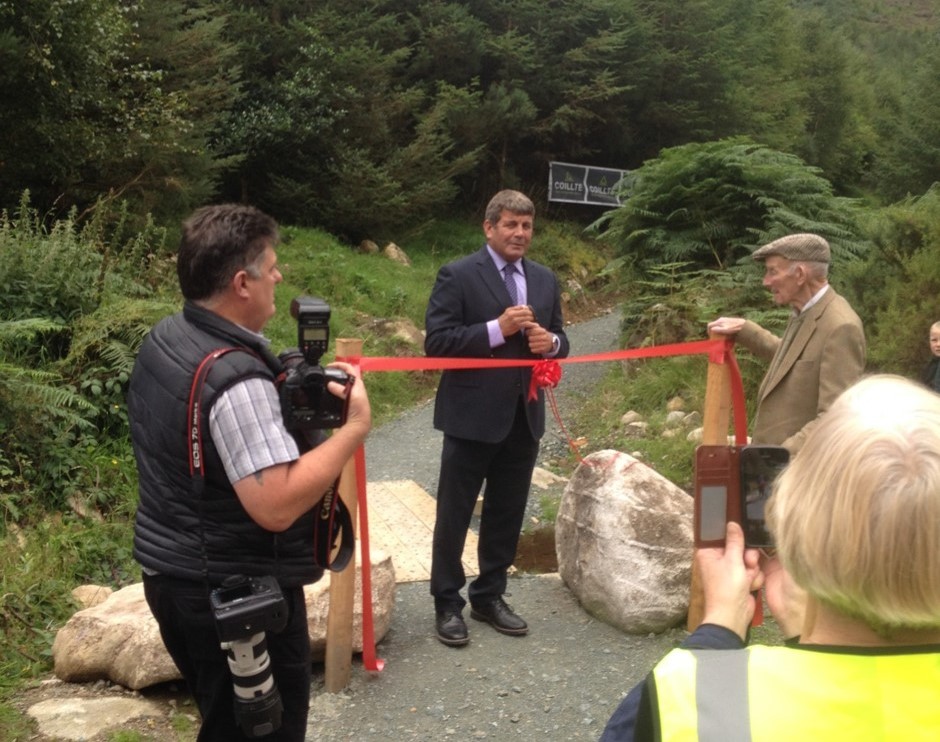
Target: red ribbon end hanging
(545, 374)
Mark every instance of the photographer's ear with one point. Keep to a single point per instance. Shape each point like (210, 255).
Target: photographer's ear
(239, 283)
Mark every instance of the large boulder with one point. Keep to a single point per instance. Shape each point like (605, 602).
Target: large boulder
(624, 541)
(118, 639)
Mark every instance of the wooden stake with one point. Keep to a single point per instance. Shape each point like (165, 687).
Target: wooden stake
(339, 622)
(715, 420)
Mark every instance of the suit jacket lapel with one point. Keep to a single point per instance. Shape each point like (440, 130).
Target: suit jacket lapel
(800, 339)
(490, 276)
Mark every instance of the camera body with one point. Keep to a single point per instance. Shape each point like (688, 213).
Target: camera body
(734, 483)
(247, 605)
(245, 608)
(306, 402)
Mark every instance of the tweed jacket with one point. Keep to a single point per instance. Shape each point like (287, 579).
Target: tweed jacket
(825, 357)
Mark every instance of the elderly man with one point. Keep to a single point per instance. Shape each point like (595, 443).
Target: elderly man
(821, 353)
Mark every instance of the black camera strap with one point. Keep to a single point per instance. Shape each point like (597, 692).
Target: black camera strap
(334, 538)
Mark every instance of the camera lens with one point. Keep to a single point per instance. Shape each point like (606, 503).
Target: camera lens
(258, 704)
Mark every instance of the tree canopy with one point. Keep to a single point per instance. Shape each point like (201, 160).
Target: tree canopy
(363, 117)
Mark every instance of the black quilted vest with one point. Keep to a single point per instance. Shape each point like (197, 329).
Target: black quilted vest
(177, 533)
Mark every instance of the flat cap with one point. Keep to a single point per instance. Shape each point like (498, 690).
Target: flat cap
(805, 246)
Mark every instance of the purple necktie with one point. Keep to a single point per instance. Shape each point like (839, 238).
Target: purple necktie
(510, 279)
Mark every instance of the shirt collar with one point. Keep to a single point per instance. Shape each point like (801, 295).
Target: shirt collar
(815, 298)
(501, 262)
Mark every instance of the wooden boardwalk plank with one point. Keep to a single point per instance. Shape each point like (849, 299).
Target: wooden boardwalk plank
(401, 523)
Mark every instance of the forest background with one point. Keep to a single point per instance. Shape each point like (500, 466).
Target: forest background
(738, 121)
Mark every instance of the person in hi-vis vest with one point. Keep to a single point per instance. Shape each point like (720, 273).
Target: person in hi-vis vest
(853, 586)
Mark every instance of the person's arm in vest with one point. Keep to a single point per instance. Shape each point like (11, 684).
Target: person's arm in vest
(730, 574)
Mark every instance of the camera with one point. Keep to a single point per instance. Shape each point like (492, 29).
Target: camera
(734, 483)
(244, 609)
(306, 402)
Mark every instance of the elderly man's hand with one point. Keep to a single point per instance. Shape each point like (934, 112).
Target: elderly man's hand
(726, 325)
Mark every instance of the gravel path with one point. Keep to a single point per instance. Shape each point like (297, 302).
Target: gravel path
(561, 682)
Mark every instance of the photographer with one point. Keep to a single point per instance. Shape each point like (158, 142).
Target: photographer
(856, 522)
(224, 488)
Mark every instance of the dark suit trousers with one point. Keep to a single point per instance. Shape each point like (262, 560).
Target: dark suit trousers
(507, 469)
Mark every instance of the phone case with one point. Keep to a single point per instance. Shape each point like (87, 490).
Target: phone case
(717, 493)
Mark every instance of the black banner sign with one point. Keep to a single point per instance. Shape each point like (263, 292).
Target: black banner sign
(583, 184)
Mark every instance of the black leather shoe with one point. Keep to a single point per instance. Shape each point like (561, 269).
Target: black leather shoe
(451, 629)
(500, 616)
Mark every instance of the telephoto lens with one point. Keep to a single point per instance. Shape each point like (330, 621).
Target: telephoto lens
(245, 608)
(258, 704)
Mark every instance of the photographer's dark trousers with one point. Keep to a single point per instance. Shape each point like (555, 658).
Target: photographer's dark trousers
(188, 629)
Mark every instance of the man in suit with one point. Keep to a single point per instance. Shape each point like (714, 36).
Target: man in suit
(821, 353)
(495, 303)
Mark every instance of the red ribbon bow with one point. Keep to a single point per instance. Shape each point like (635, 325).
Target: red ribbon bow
(544, 374)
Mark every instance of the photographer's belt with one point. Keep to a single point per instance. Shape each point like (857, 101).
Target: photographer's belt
(334, 538)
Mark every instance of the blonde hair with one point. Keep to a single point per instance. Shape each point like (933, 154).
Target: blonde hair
(856, 516)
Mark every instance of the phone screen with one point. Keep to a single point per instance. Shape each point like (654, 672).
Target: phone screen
(760, 466)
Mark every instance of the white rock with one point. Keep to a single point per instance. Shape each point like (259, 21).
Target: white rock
(624, 543)
(119, 640)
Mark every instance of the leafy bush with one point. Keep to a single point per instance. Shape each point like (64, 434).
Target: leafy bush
(711, 204)
(895, 289)
(71, 319)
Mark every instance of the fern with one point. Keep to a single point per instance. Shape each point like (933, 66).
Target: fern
(711, 204)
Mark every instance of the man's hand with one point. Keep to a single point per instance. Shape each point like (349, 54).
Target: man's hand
(726, 325)
(730, 575)
(540, 339)
(515, 319)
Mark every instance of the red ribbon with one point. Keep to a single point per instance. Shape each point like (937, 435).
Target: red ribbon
(545, 375)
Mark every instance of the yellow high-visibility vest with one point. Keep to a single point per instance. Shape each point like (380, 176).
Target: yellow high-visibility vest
(784, 694)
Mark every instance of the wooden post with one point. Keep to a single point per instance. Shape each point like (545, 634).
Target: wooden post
(339, 622)
(715, 420)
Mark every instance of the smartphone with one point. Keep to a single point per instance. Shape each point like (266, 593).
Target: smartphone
(759, 467)
(734, 483)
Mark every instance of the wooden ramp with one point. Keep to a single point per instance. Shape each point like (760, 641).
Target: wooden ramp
(401, 523)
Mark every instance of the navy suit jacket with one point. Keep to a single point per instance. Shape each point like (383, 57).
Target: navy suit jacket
(480, 404)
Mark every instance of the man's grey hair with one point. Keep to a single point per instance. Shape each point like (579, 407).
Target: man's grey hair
(511, 201)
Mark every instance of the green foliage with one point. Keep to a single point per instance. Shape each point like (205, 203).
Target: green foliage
(645, 386)
(712, 204)
(361, 118)
(895, 290)
(69, 330)
(910, 157)
(111, 100)
(13, 724)
(38, 568)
